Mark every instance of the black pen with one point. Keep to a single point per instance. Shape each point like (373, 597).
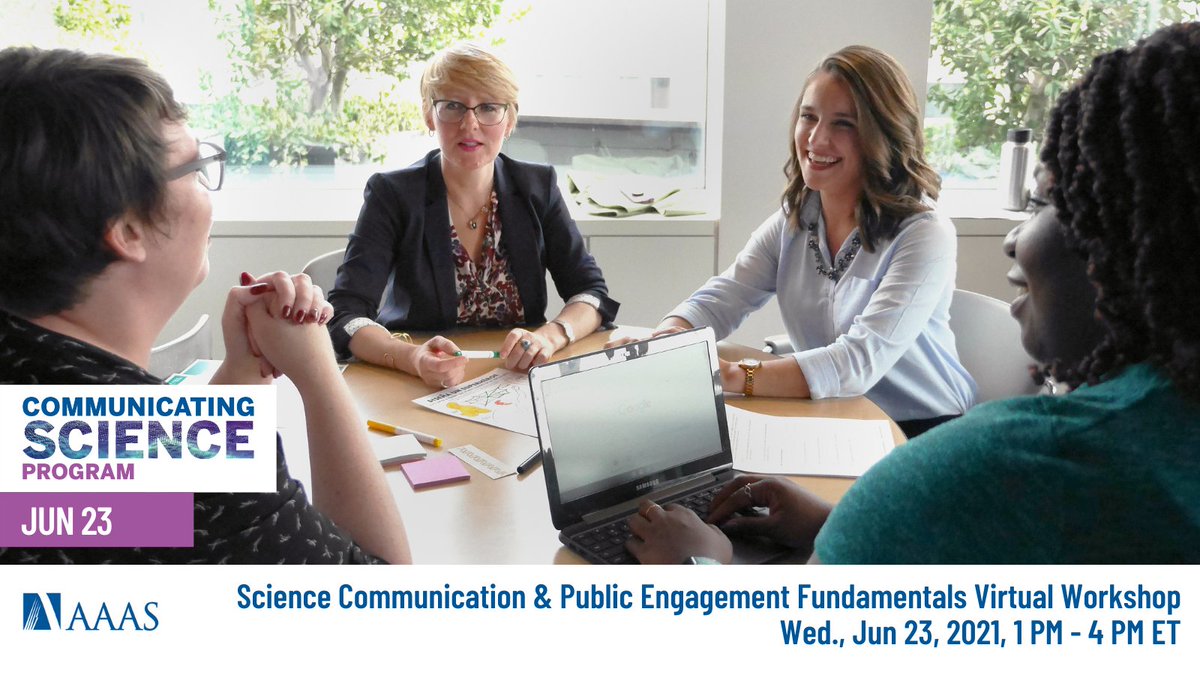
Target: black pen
(529, 463)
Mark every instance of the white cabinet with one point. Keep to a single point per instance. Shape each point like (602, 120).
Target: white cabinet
(650, 275)
(650, 264)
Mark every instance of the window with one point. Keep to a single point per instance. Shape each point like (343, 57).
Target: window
(998, 65)
(598, 93)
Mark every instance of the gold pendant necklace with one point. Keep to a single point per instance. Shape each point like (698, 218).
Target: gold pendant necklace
(483, 211)
(481, 214)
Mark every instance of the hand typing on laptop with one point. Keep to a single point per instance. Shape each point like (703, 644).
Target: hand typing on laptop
(673, 535)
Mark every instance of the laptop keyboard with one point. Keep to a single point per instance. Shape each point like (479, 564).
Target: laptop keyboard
(606, 542)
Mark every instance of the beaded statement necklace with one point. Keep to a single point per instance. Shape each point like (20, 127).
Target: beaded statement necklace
(840, 265)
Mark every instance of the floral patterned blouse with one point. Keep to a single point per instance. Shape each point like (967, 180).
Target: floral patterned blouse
(487, 294)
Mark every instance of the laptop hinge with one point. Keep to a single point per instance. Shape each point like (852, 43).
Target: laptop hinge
(664, 493)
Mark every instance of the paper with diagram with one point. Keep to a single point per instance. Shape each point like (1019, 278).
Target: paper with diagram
(500, 398)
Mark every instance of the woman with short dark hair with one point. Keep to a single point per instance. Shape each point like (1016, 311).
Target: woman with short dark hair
(104, 232)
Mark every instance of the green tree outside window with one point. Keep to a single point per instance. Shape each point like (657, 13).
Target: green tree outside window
(307, 51)
(1011, 59)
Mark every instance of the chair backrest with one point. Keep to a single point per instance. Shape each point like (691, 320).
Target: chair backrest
(323, 269)
(989, 346)
(174, 356)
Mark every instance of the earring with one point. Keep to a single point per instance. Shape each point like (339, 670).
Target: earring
(431, 133)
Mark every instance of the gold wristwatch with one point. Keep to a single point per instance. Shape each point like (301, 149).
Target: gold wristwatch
(749, 365)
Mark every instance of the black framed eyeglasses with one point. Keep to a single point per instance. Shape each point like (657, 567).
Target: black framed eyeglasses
(210, 177)
(453, 112)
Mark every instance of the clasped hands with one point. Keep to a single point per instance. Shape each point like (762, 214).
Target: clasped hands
(272, 325)
(672, 534)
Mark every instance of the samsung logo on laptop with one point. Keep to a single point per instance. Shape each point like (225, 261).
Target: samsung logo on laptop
(43, 611)
(648, 484)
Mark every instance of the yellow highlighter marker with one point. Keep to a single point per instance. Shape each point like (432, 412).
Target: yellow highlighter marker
(399, 431)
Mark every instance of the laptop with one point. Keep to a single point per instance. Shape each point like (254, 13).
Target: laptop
(641, 421)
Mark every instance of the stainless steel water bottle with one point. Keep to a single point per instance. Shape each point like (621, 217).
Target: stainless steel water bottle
(1015, 166)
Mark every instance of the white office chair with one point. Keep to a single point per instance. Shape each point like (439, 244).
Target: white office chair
(989, 346)
(172, 357)
(778, 344)
(323, 269)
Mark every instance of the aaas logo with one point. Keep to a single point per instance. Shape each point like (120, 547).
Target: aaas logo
(39, 608)
(43, 611)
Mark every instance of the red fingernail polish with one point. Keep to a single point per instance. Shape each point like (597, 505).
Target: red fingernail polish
(323, 320)
(300, 316)
(287, 311)
(259, 289)
(247, 279)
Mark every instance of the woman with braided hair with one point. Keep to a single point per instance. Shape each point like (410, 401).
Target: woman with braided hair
(1109, 473)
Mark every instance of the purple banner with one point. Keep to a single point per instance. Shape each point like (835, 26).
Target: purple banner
(91, 520)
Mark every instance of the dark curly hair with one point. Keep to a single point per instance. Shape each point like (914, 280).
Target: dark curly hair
(81, 143)
(1124, 147)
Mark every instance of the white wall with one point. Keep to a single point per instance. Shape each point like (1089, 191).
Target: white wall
(770, 46)
(760, 52)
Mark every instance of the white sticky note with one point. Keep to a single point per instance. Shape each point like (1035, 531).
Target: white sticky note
(480, 460)
(397, 449)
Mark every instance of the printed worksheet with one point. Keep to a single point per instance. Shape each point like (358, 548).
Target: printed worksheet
(500, 398)
(806, 446)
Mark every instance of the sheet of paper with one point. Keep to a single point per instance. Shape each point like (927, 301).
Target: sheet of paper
(482, 462)
(500, 398)
(808, 446)
(396, 449)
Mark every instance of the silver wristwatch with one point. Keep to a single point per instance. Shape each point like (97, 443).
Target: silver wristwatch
(567, 329)
(354, 325)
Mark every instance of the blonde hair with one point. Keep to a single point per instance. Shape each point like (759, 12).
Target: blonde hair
(468, 66)
(896, 176)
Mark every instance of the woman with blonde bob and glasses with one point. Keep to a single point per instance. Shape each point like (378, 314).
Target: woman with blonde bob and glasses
(862, 264)
(465, 237)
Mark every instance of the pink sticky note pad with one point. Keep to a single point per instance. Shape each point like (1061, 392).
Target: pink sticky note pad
(435, 471)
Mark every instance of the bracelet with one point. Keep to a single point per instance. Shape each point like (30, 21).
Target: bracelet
(567, 330)
(388, 359)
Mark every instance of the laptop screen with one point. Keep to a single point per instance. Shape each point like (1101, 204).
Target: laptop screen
(626, 420)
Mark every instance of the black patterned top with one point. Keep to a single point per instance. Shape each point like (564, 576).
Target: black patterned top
(268, 528)
(487, 293)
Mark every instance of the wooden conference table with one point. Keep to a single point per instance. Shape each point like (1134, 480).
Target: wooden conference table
(507, 521)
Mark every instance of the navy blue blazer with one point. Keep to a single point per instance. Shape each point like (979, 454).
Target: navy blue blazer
(400, 250)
